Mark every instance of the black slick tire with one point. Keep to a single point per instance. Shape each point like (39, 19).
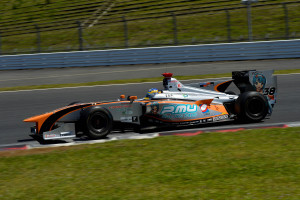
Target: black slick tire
(251, 106)
(96, 122)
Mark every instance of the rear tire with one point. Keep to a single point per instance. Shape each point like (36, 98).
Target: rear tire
(251, 107)
(97, 122)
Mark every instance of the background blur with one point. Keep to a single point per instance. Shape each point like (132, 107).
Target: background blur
(33, 26)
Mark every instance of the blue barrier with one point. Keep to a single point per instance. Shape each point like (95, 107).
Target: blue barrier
(188, 53)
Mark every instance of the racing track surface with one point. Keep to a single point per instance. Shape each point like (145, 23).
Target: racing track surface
(16, 106)
(11, 78)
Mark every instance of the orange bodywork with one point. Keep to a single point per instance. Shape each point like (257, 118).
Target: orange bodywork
(216, 87)
(39, 120)
(206, 101)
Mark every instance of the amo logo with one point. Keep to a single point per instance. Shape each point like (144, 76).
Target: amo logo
(181, 108)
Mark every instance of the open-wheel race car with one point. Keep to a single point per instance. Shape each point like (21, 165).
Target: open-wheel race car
(175, 105)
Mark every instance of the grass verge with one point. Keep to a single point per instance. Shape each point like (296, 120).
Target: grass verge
(252, 164)
(140, 80)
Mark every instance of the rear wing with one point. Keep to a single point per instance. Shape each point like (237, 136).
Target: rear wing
(252, 80)
(263, 82)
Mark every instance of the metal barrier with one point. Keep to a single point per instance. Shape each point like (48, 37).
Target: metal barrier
(189, 53)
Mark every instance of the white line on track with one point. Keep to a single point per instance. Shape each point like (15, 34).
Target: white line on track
(127, 84)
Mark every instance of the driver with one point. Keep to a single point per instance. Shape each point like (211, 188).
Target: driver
(151, 93)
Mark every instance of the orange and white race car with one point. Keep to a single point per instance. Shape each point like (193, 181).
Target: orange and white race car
(175, 105)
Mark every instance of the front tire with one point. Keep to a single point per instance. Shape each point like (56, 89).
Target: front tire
(97, 122)
(251, 107)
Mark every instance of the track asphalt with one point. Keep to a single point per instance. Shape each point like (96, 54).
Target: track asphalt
(11, 78)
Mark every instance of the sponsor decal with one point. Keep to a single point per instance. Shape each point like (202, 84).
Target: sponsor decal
(179, 116)
(185, 95)
(216, 107)
(209, 120)
(259, 82)
(169, 95)
(178, 109)
(175, 82)
(70, 133)
(195, 122)
(120, 106)
(220, 118)
(204, 108)
(135, 119)
(127, 112)
(129, 119)
(181, 111)
(126, 119)
(154, 108)
(124, 109)
(50, 135)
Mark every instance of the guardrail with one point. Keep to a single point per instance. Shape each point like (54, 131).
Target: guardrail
(188, 53)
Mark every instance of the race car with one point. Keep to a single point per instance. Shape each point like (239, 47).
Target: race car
(175, 105)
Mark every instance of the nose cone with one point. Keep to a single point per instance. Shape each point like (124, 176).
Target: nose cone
(38, 118)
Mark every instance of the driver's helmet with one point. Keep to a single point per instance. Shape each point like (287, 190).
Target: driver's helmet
(151, 93)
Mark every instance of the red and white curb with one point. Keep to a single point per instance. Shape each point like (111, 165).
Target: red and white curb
(135, 136)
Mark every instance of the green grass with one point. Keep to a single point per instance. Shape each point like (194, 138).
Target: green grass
(253, 164)
(140, 80)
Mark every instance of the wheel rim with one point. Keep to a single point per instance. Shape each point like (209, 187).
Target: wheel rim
(98, 122)
(255, 107)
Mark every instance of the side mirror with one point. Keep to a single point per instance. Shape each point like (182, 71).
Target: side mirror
(132, 98)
